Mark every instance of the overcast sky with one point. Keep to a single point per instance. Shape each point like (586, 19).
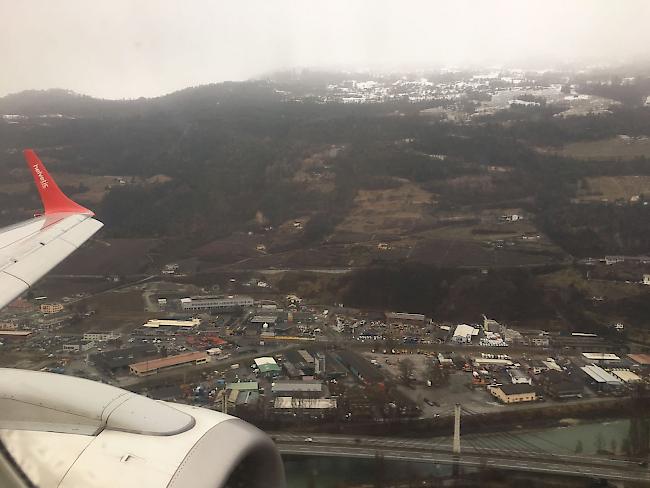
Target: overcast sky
(132, 48)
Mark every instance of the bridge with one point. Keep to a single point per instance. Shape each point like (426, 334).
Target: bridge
(502, 450)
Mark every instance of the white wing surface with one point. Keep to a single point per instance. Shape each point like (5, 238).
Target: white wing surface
(30, 249)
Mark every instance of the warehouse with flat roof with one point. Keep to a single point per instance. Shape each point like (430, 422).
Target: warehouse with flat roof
(626, 376)
(146, 368)
(267, 366)
(180, 324)
(15, 334)
(243, 386)
(360, 367)
(514, 393)
(601, 377)
(291, 403)
(640, 359)
(310, 388)
(216, 302)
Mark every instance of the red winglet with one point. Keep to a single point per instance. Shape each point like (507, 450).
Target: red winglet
(54, 200)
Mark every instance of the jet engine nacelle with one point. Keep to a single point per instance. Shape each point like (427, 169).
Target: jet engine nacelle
(70, 432)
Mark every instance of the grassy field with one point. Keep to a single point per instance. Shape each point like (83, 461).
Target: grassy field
(609, 290)
(612, 188)
(96, 185)
(621, 147)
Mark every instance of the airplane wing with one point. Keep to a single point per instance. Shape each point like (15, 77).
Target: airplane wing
(30, 249)
(58, 431)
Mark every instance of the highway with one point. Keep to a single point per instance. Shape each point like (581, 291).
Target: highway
(439, 451)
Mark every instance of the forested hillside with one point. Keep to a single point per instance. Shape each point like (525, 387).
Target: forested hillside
(230, 154)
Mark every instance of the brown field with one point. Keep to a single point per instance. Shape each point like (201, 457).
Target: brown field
(390, 211)
(612, 188)
(121, 310)
(323, 257)
(109, 257)
(621, 147)
(229, 249)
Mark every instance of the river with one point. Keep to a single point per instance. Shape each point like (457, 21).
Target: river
(323, 472)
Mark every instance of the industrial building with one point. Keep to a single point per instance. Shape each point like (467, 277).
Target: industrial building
(601, 357)
(14, 334)
(483, 362)
(518, 377)
(582, 342)
(560, 386)
(328, 367)
(48, 308)
(216, 302)
(626, 376)
(100, 336)
(172, 324)
(118, 361)
(146, 368)
(267, 366)
(601, 378)
(309, 388)
(78, 346)
(313, 404)
(243, 386)
(642, 360)
(363, 369)
(406, 318)
(242, 398)
(538, 338)
(264, 319)
(514, 393)
(299, 364)
(464, 334)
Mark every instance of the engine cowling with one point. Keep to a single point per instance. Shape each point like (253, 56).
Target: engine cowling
(69, 432)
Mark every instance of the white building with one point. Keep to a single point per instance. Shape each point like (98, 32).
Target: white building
(181, 324)
(289, 403)
(646, 279)
(464, 334)
(100, 336)
(518, 377)
(600, 376)
(626, 376)
(79, 346)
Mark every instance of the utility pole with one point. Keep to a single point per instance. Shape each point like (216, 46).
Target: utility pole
(456, 445)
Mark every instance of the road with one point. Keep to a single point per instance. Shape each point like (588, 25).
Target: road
(417, 450)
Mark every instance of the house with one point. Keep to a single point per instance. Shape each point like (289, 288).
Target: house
(514, 393)
(646, 279)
